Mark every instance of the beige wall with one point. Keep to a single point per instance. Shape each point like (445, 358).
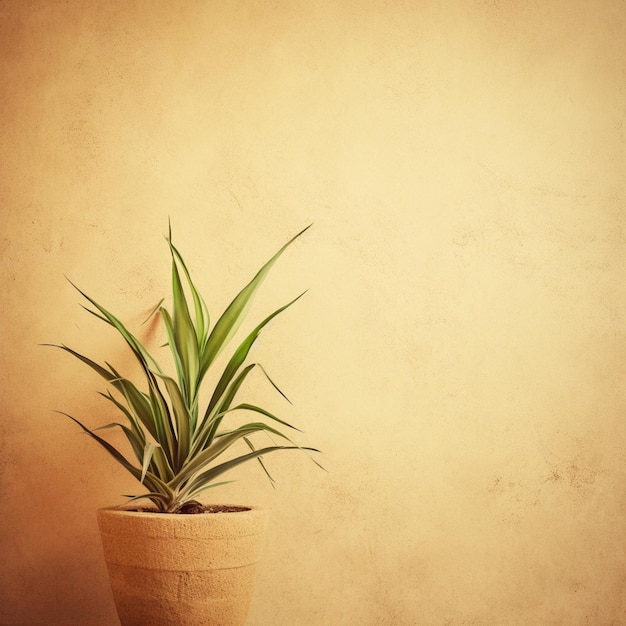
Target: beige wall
(459, 357)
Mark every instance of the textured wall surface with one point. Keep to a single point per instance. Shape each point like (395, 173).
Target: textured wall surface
(460, 355)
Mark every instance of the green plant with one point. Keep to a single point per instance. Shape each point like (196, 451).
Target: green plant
(177, 447)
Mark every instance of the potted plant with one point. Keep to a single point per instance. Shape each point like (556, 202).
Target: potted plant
(179, 561)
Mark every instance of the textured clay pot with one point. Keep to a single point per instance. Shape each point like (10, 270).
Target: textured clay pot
(182, 570)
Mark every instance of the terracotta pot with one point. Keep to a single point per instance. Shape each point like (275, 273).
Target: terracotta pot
(180, 570)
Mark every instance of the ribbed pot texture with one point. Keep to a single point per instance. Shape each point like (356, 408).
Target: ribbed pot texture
(182, 570)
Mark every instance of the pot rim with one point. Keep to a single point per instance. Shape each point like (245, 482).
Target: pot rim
(123, 511)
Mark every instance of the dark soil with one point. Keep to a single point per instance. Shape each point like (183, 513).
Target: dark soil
(194, 508)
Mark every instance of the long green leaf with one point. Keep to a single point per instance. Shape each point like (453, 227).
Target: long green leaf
(162, 466)
(136, 442)
(241, 354)
(139, 404)
(169, 329)
(273, 383)
(192, 495)
(258, 409)
(199, 461)
(212, 422)
(156, 417)
(136, 428)
(137, 401)
(140, 352)
(156, 307)
(114, 452)
(233, 316)
(152, 410)
(164, 423)
(200, 308)
(209, 475)
(147, 458)
(185, 338)
(209, 426)
(106, 374)
(162, 502)
(182, 419)
(152, 482)
(261, 463)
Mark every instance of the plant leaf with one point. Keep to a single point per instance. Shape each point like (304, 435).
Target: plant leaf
(153, 311)
(212, 473)
(206, 433)
(185, 339)
(200, 309)
(147, 457)
(261, 463)
(233, 316)
(273, 383)
(199, 461)
(106, 374)
(182, 419)
(210, 421)
(136, 440)
(258, 409)
(112, 450)
(140, 352)
(158, 499)
(136, 428)
(194, 494)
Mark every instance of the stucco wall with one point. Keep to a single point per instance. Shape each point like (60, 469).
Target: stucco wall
(459, 357)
